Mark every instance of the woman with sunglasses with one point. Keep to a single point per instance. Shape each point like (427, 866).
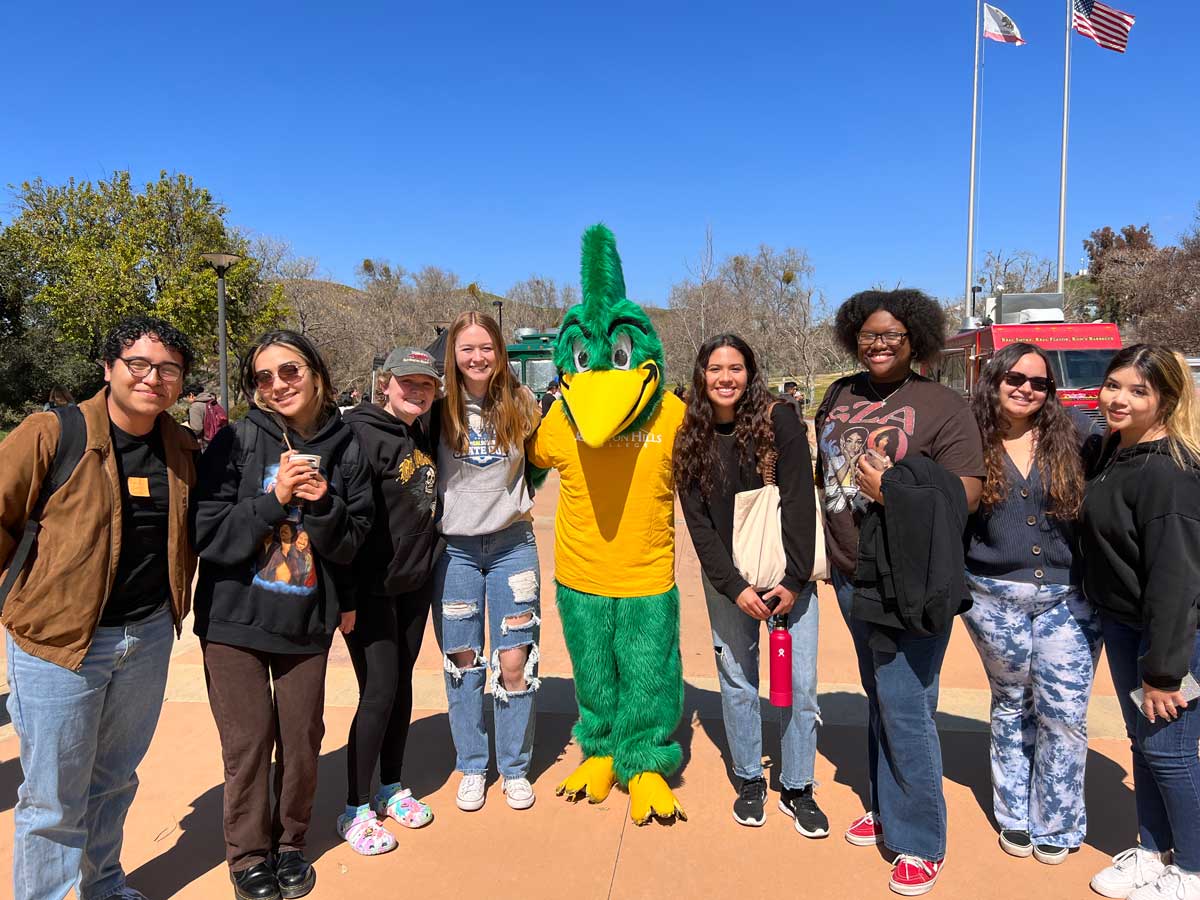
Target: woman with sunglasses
(283, 503)
(490, 566)
(867, 422)
(1037, 635)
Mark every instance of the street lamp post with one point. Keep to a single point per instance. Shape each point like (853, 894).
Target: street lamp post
(222, 262)
(499, 304)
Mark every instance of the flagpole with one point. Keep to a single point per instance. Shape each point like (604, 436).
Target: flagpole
(1062, 178)
(968, 311)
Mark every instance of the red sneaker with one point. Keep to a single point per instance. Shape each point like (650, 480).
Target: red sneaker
(865, 831)
(913, 876)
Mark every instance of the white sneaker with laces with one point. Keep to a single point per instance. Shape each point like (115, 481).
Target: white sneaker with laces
(1131, 869)
(472, 792)
(519, 793)
(1172, 884)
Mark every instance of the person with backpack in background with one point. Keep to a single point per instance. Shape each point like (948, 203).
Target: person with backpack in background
(91, 620)
(283, 503)
(206, 416)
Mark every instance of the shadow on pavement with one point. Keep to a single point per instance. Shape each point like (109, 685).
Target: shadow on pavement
(10, 780)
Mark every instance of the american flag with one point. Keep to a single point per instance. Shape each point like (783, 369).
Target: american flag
(1106, 26)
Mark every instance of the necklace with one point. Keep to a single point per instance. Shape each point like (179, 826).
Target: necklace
(883, 400)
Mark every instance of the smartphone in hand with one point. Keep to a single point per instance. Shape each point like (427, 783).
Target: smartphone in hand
(1189, 687)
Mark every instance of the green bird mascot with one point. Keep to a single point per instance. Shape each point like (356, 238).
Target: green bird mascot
(612, 439)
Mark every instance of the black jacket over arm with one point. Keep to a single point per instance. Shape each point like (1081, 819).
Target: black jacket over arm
(911, 574)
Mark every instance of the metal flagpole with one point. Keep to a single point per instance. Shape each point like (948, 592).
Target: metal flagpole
(1062, 178)
(974, 148)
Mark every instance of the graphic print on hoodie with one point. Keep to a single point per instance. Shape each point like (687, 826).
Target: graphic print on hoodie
(285, 564)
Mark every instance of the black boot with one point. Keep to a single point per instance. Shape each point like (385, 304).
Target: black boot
(255, 883)
(295, 874)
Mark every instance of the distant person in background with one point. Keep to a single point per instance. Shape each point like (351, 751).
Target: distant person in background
(788, 391)
(59, 396)
(553, 392)
(197, 398)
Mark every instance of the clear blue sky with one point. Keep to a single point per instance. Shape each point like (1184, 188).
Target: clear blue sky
(484, 137)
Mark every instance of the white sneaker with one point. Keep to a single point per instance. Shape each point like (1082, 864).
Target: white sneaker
(1172, 884)
(1131, 869)
(519, 793)
(472, 792)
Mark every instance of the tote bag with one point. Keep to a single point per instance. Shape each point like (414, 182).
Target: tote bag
(758, 533)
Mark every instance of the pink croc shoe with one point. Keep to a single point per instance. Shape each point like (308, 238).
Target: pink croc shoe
(365, 834)
(405, 809)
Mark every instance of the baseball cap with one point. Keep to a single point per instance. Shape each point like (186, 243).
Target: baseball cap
(411, 361)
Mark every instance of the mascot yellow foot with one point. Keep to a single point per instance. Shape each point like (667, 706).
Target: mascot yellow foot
(594, 777)
(650, 798)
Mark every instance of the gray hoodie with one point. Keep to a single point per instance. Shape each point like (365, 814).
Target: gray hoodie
(482, 491)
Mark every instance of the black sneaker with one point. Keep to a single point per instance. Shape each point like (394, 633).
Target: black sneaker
(1016, 843)
(802, 806)
(748, 807)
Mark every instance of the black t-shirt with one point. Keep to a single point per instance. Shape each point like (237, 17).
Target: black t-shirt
(920, 417)
(143, 583)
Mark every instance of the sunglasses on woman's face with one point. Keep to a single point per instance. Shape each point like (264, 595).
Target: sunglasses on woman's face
(288, 372)
(1037, 383)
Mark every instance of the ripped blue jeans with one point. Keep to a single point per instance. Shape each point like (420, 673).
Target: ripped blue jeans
(494, 576)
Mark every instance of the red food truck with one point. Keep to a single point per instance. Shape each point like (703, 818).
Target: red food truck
(1079, 354)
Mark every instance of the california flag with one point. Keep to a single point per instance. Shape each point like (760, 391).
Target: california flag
(999, 27)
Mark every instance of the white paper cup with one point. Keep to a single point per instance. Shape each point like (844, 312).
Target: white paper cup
(313, 459)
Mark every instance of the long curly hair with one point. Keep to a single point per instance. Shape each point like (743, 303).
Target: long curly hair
(696, 459)
(1056, 445)
(509, 409)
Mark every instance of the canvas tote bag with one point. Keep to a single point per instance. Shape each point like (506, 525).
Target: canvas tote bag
(758, 533)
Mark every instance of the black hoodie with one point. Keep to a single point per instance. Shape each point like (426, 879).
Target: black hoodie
(399, 553)
(1140, 541)
(275, 578)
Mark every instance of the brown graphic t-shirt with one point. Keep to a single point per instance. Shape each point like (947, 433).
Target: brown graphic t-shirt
(920, 417)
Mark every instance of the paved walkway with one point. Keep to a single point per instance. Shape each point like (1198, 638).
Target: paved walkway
(174, 846)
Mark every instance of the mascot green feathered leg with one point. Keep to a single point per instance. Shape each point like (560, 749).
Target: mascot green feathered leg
(612, 438)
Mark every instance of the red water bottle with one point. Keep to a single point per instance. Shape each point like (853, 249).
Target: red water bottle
(781, 662)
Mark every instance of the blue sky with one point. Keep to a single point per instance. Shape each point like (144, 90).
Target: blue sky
(484, 137)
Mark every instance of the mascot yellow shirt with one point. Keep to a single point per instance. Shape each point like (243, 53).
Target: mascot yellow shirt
(616, 536)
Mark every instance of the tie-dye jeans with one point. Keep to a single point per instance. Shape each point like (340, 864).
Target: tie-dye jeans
(1039, 645)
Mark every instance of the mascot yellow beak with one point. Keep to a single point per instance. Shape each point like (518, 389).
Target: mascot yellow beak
(604, 402)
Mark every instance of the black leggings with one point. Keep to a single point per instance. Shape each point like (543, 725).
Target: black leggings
(383, 647)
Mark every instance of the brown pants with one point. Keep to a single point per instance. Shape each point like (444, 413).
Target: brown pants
(252, 722)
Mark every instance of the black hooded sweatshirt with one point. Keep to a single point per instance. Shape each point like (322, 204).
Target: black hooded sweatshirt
(275, 578)
(1140, 540)
(399, 552)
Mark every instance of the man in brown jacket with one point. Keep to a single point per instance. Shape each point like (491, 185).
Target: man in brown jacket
(93, 612)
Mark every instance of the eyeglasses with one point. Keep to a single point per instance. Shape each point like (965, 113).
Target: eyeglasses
(889, 338)
(140, 367)
(1036, 383)
(289, 373)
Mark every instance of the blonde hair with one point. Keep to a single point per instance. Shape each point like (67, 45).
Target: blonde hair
(1179, 412)
(509, 409)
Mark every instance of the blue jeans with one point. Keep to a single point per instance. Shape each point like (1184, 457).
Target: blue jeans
(1039, 645)
(83, 735)
(735, 643)
(904, 756)
(1166, 768)
(497, 575)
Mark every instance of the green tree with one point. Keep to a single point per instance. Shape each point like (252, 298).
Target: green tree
(78, 257)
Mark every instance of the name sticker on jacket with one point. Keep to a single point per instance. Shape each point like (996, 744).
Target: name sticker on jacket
(139, 487)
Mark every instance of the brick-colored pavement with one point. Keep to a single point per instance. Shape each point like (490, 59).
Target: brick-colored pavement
(173, 837)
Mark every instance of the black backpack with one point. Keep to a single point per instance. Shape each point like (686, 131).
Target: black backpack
(72, 441)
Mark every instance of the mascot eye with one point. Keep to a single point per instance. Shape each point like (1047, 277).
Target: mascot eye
(622, 350)
(582, 359)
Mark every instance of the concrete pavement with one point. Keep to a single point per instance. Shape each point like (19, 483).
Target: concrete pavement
(174, 846)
